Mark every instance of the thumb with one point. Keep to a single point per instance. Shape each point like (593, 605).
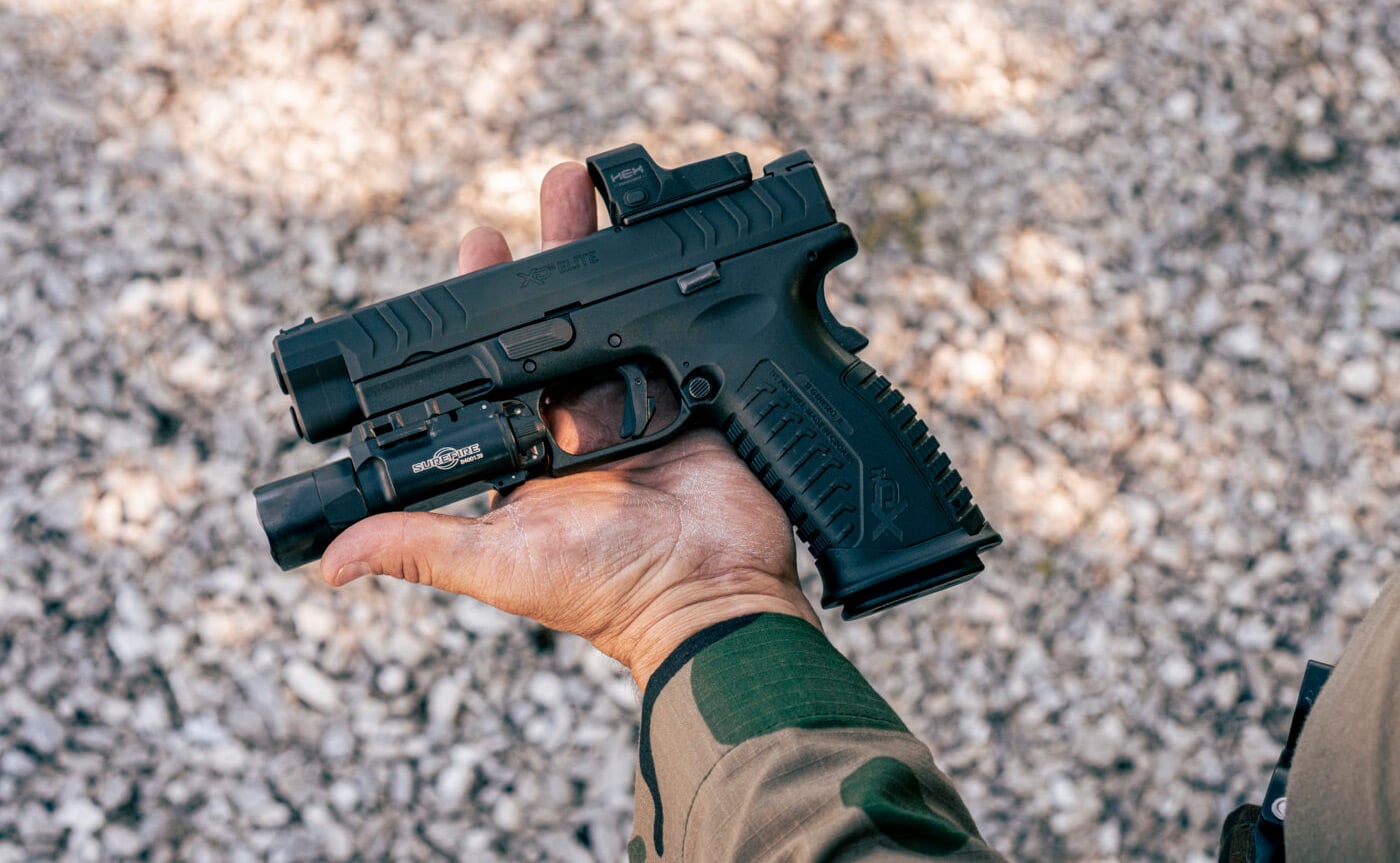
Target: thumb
(461, 555)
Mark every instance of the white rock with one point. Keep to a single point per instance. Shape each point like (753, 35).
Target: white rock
(314, 622)
(337, 743)
(151, 715)
(1315, 146)
(407, 648)
(1385, 311)
(1253, 634)
(1208, 315)
(345, 796)
(1176, 672)
(598, 666)
(1243, 342)
(507, 815)
(1325, 266)
(271, 814)
(480, 618)
(1108, 838)
(1360, 378)
(312, 687)
(205, 731)
(401, 784)
(122, 841)
(81, 815)
(1062, 793)
(1309, 110)
(1181, 106)
(20, 606)
(452, 784)
(392, 679)
(546, 689)
(622, 692)
(42, 731)
(16, 763)
(444, 700)
(1101, 745)
(131, 644)
(132, 608)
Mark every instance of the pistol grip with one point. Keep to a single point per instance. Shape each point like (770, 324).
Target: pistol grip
(885, 514)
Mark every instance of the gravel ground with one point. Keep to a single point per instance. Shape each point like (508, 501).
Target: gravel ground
(1137, 261)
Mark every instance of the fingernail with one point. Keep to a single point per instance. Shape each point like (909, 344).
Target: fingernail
(351, 571)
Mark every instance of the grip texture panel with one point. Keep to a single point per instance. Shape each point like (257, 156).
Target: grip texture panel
(936, 463)
(798, 457)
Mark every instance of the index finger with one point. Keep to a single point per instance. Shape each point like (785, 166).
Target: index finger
(567, 208)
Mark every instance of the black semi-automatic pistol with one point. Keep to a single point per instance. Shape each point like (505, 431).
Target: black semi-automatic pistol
(709, 280)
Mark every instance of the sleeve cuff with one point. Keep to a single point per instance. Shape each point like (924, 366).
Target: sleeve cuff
(732, 682)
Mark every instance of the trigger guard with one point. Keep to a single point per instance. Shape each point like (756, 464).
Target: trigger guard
(849, 338)
(562, 462)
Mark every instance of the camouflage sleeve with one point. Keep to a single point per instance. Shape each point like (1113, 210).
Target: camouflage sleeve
(759, 741)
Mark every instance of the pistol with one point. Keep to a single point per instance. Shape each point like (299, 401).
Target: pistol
(709, 282)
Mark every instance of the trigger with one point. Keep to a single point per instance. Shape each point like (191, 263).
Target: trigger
(637, 406)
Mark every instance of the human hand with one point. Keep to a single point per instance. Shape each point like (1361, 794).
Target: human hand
(635, 556)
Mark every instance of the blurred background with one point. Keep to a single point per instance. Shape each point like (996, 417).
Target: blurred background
(1137, 262)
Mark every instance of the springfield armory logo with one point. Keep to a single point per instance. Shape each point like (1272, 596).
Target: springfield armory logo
(541, 274)
(449, 457)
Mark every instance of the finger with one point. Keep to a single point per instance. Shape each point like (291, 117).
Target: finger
(567, 208)
(466, 556)
(568, 212)
(481, 247)
(583, 420)
(589, 418)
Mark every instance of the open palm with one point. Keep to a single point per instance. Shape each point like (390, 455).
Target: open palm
(635, 556)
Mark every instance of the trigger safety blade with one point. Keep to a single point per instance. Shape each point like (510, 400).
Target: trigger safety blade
(637, 406)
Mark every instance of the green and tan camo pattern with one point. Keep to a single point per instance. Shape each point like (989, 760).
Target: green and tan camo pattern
(766, 744)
